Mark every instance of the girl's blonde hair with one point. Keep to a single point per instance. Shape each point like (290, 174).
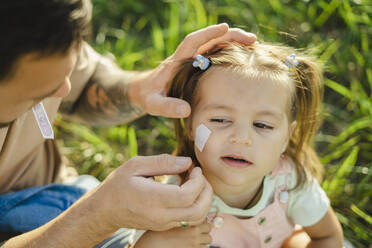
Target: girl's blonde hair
(304, 83)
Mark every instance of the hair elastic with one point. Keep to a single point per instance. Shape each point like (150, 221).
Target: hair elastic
(291, 61)
(202, 62)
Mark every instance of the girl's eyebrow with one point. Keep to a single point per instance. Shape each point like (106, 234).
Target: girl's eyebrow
(273, 113)
(265, 112)
(216, 106)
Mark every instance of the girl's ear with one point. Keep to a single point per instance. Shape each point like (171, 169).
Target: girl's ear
(291, 130)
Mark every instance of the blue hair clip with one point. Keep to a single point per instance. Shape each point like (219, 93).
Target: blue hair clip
(291, 61)
(201, 62)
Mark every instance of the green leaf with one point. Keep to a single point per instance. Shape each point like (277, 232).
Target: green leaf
(369, 79)
(173, 30)
(365, 122)
(362, 214)
(329, 51)
(132, 140)
(337, 183)
(157, 37)
(338, 88)
(201, 15)
(327, 12)
(340, 150)
(358, 56)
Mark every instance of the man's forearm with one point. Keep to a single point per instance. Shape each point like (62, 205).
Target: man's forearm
(105, 100)
(79, 226)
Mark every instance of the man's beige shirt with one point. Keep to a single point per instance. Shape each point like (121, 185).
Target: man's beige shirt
(26, 159)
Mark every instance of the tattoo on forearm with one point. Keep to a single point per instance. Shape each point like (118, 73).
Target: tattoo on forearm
(67, 107)
(106, 104)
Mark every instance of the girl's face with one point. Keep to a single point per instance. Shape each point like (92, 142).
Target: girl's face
(248, 123)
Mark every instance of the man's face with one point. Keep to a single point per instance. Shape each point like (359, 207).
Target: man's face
(35, 79)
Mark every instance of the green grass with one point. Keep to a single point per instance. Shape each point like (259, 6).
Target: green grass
(141, 33)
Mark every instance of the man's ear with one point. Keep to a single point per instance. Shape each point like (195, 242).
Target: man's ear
(292, 127)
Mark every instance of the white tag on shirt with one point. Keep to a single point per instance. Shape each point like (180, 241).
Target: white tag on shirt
(43, 121)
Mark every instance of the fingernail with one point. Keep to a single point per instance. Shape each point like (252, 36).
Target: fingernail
(181, 110)
(182, 161)
(196, 170)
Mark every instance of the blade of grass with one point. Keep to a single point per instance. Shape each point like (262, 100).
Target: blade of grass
(336, 184)
(342, 90)
(201, 15)
(173, 29)
(362, 214)
(365, 122)
(132, 140)
(327, 12)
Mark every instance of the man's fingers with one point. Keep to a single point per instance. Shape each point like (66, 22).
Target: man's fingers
(196, 213)
(193, 41)
(158, 104)
(205, 227)
(192, 188)
(174, 196)
(205, 239)
(234, 34)
(168, 196)
(163, 164)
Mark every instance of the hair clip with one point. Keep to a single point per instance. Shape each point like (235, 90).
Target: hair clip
(291, 61)
(201, 62)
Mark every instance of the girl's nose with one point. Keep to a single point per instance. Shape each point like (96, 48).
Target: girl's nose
(241, 136)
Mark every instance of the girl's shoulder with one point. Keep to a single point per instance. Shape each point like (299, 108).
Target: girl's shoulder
(308, 203)
(284, 174)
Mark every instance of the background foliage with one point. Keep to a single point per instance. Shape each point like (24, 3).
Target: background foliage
(141, 33)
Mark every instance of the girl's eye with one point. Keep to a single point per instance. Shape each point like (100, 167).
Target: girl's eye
(219, 120)
(263, 126)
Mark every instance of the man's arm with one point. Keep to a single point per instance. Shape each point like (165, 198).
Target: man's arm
(76, 227)
(105, 99)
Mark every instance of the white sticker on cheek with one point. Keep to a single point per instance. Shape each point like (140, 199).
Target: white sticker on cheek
(202, 135)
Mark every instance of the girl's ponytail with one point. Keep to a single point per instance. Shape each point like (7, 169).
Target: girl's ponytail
(306, 112)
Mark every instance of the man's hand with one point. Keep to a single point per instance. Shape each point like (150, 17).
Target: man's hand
(130, 198)
(196, 236)
(149, 89)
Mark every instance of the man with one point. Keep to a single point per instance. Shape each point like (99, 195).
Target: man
(44, 59)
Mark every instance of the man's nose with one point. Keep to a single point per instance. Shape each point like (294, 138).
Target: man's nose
(242, 136)
(64, 90)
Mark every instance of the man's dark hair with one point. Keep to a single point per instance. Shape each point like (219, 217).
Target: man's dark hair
(43, 26)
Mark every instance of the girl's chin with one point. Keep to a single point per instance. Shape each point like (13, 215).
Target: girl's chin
(221, 181)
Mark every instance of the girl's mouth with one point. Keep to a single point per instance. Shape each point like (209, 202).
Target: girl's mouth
(236, 162)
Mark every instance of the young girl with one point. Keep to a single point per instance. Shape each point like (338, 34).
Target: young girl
(254, 113)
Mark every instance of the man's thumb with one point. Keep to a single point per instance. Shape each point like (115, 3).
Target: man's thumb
(158, 165)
